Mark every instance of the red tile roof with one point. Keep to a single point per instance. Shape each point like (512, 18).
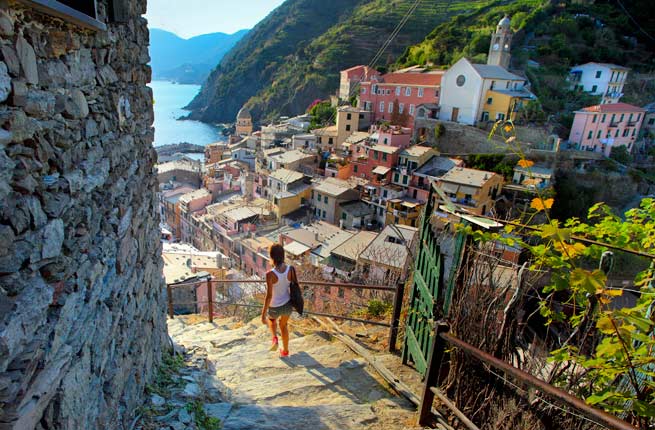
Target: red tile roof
(614, 107)
(425, 79)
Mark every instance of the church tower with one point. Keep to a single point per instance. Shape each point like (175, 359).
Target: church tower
(501, 44)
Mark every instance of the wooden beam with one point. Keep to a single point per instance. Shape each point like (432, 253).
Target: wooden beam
(395, 382)
(66, 13)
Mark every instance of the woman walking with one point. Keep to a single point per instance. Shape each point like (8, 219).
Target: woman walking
(277, 304)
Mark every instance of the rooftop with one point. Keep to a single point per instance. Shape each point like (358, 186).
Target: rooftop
(332, 186)
(183, 164)
(463, 176)
(357, 137)
(437, 166)
(613, 107)
(286, 176)
(535, 170)
(195, 194)
(296, 248)
(291, 156)
(609, 65)
(325, 131)
(415, 76)
(389, 248)
(492, 71)
(515, 93)
(356, 208)
(388, 149)
(351, 248)
(416, 150)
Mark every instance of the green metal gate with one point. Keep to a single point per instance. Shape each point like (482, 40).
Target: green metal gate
(431, 293)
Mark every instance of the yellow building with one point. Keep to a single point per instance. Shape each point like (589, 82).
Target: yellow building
(403, 212)
(288, 201)
(504, 104)
(244, 122)
(349, 120)
(474, 191)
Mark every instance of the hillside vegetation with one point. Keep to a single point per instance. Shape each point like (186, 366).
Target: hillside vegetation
(550, 37)
(294, 55)
(188, 60)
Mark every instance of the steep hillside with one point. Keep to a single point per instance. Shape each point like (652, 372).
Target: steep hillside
(294, 55)
(188, 60)
(550, 37)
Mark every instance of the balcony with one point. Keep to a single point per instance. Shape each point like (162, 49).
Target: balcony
(632, 123)
(614, 124)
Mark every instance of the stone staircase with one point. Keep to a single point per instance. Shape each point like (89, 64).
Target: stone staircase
(322, 385)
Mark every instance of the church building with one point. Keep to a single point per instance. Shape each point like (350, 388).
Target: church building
(244, 122)
(479, 93)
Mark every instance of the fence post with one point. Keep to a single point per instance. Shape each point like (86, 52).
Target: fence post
(395, 317)
(432, 375)
(169, 298)
(210, 301)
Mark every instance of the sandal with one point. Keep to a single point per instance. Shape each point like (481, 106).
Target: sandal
(274, 345)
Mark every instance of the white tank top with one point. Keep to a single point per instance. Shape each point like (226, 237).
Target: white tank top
(280, 291)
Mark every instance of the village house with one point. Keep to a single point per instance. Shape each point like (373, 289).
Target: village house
(320, 236)
(255, 259)
(349, 120)
(291, 160)
(274, 134)
(403, 211)
(326, 137)
(428, 173)
(190, 204)
(649, 118)
(288, 190)
(351, 78)
(473, 191)
(534, 177)
(169, 196)
(355, 215)
(387, 258)
(338, 167)
(304, 142)
(394, 96)
(376, 196)
(602, 127)
(327, 195)
(214, 152)
(409, 160)
(600, 79)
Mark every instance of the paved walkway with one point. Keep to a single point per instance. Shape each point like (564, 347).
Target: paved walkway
(322, 385)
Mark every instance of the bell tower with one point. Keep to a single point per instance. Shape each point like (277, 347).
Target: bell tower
(501, 44)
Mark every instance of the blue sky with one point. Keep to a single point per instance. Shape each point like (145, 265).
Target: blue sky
(188, 18)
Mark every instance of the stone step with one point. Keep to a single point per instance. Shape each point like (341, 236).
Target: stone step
(324, 417)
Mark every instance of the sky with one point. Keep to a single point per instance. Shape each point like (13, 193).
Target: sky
(188, 18)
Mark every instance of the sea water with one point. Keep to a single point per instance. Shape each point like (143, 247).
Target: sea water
(169, 99)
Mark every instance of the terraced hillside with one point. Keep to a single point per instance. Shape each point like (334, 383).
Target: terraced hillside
(295, 54)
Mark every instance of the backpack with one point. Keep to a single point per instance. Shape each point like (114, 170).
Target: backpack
(297, 300)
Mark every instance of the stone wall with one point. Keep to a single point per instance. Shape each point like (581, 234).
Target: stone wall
(82, 304)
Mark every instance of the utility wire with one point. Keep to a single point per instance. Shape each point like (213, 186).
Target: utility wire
(634, 21)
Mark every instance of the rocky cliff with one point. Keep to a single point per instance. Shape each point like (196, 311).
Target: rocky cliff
(82, 319)
(294, 55)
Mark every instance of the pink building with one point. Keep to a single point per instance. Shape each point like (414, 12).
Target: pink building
(397, 94)
(394, 135)
(374, 162)
(601, 127)
(353, 76)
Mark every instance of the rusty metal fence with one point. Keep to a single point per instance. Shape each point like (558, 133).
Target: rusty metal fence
(392, 323)
(446, 342)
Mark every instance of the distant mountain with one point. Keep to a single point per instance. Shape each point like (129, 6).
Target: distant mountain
(188, 60)
(294, 55)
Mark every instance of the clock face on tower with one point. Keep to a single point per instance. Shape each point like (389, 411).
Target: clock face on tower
(495, 47)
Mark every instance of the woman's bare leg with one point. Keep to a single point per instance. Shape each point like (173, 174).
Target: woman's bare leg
(284, 329)
(272, 324)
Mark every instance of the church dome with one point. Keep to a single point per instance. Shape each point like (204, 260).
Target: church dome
(244, 113)
(504, 23)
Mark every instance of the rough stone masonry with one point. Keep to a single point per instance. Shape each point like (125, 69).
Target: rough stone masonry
(82, 312)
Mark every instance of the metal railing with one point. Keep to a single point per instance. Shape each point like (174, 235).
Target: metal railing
(444, 341)
(393, 324)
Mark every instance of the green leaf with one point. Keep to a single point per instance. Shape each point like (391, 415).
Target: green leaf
(600, 397)
(588, 281)
(643, 409)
